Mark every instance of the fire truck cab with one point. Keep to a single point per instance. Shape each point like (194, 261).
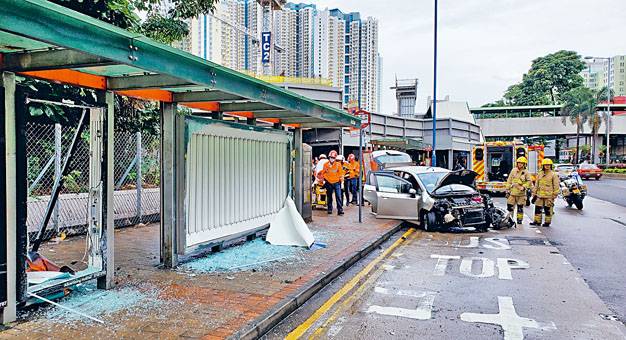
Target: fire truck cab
(493, 161)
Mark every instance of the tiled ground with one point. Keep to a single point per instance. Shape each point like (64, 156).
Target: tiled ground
(198, 305)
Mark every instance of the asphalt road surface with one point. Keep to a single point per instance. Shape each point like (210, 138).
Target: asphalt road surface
(512, 284)
(608, 189)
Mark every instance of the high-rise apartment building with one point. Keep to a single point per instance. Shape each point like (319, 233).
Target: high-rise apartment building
(597, 76)
(309, 43)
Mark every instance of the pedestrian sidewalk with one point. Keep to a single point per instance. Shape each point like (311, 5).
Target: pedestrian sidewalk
(202, 298)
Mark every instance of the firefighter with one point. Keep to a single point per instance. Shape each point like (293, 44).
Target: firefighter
(518, 183)
(333, 178)
(353, 176)
(545, 191)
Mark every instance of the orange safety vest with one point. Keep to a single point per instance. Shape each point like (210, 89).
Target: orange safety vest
(333, 173)
(354, 167)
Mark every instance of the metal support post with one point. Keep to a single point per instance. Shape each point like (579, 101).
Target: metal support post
(299, 194)
(108, 189)
(608, 117)
(58, 154)
(360, 199)
(169, 258)
(434, 153)
(138, 180)
(10, 134)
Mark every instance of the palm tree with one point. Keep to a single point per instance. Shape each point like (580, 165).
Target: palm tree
(578, 105)
(601, 96)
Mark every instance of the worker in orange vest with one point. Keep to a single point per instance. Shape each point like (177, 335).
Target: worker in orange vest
(333, 178)
(353, 176)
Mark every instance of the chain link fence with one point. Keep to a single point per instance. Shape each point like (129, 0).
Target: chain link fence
(137, 172)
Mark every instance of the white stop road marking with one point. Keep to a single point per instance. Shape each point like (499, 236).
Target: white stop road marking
(511, 323)
(422, 312)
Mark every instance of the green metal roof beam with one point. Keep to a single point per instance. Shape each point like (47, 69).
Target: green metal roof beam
(277, 114)
(204, 96)
(50, 60)
(300, 120)
(248, 106)
(151, 81)
(48, 22)
(318, 125)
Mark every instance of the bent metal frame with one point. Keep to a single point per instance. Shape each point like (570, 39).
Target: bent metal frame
(46, 41)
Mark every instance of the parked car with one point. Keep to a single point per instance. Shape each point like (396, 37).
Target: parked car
(564, 170)
(435, 198)
(587, 171)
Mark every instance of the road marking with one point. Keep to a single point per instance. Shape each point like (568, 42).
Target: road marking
(473, 243)
(301, 329)
(511, 323)
(442, 263)
(497, 243)
(487, 269)
(422, 312)
(388, 267)
(506, 264)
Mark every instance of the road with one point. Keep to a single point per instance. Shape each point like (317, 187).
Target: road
(608, 189)
(515, 284)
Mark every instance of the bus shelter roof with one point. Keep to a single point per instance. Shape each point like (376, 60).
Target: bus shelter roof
(43, 40)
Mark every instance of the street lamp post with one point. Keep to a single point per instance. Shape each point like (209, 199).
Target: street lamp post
(608, 105)
(434, 152)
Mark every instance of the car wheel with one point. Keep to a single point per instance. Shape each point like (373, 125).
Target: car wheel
(579, 204)
(428, 221)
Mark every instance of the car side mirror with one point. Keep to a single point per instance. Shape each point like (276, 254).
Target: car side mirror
(413, 192)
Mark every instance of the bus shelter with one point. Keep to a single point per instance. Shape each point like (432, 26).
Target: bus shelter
(218, 178)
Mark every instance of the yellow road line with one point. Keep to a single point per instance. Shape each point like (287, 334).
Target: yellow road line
(348, 302)
(304, 327)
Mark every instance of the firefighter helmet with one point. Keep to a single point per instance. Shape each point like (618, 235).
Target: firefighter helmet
(522, 159)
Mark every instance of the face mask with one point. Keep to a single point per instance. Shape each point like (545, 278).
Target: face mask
(331, 160)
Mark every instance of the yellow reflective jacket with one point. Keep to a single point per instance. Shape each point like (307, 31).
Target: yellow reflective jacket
(518, 182)
(547, 185)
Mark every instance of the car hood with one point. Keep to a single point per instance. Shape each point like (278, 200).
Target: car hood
(464, 177)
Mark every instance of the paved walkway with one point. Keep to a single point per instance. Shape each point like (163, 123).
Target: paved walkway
(153, 303)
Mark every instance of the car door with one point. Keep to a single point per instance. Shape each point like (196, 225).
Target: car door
(394, 199)
(369, 191)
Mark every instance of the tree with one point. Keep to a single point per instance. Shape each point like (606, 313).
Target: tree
(548, 79)
(578, 105)
(165, 25)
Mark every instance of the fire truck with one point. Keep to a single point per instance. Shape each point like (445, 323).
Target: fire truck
(493, 161)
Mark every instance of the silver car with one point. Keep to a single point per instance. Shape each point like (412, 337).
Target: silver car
(436, 198)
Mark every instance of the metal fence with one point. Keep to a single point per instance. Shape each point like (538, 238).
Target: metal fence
(136, 198)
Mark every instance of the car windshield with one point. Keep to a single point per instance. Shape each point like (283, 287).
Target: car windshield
(588, 166)
(430, 179)
(394, 158)
(565, 168)
(454, 188)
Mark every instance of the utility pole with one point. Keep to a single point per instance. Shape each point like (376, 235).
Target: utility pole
(434, 152)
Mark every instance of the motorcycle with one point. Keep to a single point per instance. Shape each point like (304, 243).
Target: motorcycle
(497, 217)
(573, 190)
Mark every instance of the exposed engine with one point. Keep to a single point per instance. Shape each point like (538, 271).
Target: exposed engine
(475, 213)
(461, 212)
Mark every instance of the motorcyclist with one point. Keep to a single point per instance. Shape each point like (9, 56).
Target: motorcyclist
(546, 189)
(517, 184)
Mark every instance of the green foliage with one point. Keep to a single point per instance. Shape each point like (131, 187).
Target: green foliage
(131, 114)
(71, 181)
(578, 105)
(548, 79)
(164, 29)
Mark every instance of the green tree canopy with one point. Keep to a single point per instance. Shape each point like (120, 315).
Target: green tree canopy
(548, 79)
(166, 22)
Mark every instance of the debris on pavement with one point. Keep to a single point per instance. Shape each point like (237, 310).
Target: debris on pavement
(288, 228)
(98, 303)
(251, 255)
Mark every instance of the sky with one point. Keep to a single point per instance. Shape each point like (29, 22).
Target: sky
(484, 45)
